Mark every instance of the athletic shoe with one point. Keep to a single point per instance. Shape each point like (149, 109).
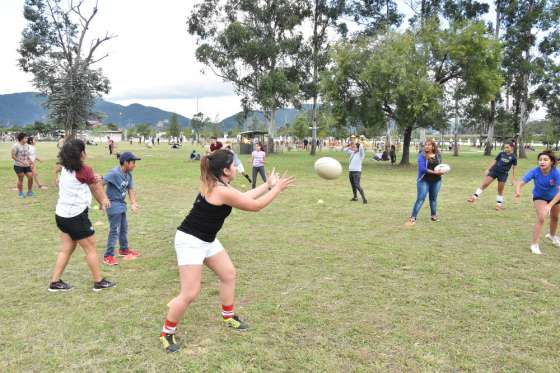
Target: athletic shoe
(21, 195)
(30, 194)
(169, 342)
(535, 249)
(59, 286)
(554, 239)
(471, 199)
(235, 323)
(410, 222)
(499, 207)
(110, 261)
(130, 257)
(128, 251)
(102, 285)
(434, 218)
(354, 199)
(364, 201)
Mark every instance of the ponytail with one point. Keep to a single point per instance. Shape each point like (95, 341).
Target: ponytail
(212, 169)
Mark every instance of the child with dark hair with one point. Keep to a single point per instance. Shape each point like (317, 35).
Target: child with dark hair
(76, 185)
(545, 197)
(498, 169)
(196, 243)
(119, 183)
(23, 164)
(257, 160)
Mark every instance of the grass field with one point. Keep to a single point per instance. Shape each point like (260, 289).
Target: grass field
(332, 287)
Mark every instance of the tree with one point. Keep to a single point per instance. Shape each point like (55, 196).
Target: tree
(255, 45)
(144, 130)
(54, 48)
(523, 19)
(112, 127)
(198, 123)
(300, 127)
(174, 129)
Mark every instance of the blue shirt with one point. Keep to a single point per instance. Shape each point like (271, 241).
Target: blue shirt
(503, 163)
(546, 186)
(118, 184)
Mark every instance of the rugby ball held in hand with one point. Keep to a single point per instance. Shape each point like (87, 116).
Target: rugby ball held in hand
(443, 167)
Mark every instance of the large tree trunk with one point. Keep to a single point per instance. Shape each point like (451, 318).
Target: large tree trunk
(315, 78)
(492, 119)
(491, 125)
(523, 110)
(406, 147)
(456, 129)
(271, 128)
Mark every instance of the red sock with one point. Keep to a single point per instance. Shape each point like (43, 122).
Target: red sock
(227, 311)
(169, 327)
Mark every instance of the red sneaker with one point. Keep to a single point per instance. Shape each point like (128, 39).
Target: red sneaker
(110, 261)
(128, 251)
(130, 257)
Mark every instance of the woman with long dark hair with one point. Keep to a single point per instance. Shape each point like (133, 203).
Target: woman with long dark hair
(428, 181)
(196, 243)
(76, 184)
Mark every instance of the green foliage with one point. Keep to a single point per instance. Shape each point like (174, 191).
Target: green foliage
(112, 127)
(174, 130)
(200, 123)
(300, 127)
(256, 46)
(144, 129)
(53, 49)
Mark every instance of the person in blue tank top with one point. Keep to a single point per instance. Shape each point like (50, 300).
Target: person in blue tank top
(196, 243)
(546, 179)
(498, 169)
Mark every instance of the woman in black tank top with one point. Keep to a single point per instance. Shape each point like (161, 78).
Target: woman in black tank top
(196, 243)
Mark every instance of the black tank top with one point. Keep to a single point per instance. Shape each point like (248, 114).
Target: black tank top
(204, 220)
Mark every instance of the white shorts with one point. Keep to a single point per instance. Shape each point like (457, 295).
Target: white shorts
(192, 250)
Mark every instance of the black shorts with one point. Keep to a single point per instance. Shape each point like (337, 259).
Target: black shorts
(22, 170)
(501, 176)
(77, 227)
(546, 200)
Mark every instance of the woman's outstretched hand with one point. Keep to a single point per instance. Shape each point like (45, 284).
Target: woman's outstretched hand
(272, 178)
(285, 181)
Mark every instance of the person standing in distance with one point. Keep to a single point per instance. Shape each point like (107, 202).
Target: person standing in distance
(546, 180)
(498, 169)
(196, 243)
(357, 153)
(257, 160)
(23, 165)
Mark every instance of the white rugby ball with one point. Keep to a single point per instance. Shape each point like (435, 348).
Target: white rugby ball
(328, 168)
(443, 167)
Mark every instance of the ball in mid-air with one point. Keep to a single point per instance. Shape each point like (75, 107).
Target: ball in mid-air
(328, 168)
(443, 167)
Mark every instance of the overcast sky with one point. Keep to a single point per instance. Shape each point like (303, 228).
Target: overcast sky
(151, 61)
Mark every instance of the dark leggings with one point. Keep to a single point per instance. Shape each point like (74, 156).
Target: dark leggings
(355, 183)
(261, 171)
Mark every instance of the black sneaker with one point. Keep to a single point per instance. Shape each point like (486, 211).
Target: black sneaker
(354, 199)
(169, 342)
(365, 201)
(59, 286)
(235, 323)
(102, 285)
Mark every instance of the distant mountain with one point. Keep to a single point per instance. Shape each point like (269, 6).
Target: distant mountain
(24, 108)
(283, 116)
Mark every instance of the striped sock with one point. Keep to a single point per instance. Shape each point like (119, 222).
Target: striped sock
(477, 193)
(227, 312)
(499, 199)
(169, 327)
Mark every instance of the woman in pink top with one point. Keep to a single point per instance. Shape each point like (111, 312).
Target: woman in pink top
(258, 164)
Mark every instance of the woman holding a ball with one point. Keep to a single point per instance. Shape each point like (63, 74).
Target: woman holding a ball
(196, 243)
(428, 181)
